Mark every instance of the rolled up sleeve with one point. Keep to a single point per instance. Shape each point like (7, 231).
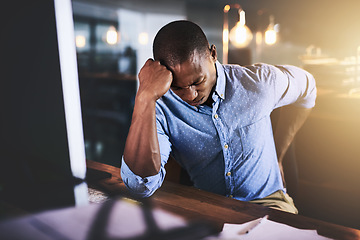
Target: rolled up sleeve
(139, 186)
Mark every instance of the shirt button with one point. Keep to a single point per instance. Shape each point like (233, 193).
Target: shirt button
(226, 146)
(216, 116)
(228, 174)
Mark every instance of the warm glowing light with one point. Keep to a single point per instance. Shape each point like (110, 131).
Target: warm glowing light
(143, 38)
(270, 34)
(258, 38)
(111, 36)
(240, 35)
(80, 41)
(225, 35)
(270, 37)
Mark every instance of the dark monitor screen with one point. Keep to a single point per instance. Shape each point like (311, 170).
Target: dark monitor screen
(41, 138)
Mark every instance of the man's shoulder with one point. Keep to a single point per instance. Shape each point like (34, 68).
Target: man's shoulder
(237, 67)
(255, 73)
(256, 68)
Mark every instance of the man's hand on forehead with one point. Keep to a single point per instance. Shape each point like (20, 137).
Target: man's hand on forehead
(155, 79)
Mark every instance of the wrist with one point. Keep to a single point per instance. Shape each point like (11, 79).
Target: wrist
(144, 104)
(145, 97)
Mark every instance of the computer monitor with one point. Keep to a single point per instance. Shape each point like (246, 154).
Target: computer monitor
(41, 136)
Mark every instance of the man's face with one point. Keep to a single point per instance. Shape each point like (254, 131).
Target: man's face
(194, 79)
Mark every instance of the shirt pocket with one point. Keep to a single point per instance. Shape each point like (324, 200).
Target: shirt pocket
(254, 136)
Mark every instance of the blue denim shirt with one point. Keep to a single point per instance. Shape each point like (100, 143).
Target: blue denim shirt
(228, 148)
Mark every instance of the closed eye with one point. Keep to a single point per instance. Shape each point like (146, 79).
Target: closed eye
(175, 88)
(199, 82)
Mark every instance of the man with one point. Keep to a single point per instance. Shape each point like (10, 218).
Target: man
(214, 119)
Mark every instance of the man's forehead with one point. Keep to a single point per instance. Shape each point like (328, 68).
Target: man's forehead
(189, 71)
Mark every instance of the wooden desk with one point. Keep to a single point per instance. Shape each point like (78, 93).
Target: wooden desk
(192, 203)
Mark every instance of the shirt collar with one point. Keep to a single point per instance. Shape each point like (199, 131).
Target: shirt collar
(220, 81)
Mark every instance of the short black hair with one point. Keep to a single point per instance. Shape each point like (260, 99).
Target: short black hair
(176, 42)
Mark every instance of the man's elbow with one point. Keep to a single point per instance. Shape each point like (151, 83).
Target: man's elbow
(310, 94)
(141, 186)
(138, 190)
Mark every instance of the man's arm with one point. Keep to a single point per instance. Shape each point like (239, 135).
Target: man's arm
(296, 91)
(290, 120)
(142, 152)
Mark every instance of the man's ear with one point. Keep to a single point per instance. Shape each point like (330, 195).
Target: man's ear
(213, 52)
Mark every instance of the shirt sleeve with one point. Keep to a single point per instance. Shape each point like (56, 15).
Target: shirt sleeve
(145, 187)
(293, 85)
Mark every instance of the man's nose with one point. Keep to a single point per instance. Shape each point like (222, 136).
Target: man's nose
(190, 94)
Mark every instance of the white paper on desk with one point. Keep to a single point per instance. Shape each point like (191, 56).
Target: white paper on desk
(126, 220)
(267, 230)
